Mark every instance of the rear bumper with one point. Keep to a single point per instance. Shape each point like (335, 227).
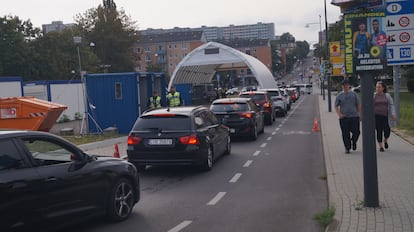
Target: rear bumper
(191, 156)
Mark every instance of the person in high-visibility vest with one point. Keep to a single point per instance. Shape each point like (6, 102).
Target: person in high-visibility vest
(173, 98)
(154, 101)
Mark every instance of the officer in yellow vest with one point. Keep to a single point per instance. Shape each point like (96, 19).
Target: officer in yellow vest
(173, 98)
(154, 101)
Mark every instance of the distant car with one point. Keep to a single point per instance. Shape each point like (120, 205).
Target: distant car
(232, 91)
(279, 101)
(262, 98)
(241, 115)
(248, 88)
(188, 135)
(47, 183)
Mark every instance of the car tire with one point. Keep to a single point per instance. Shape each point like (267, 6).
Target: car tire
(121, 200)
(253, 132)
(228, 146)
(208, 161)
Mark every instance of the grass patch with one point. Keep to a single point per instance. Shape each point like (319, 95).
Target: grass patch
(325, 217)
(406, 113)
(78, 140)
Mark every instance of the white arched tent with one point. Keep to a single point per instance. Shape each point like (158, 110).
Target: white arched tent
(200, 65)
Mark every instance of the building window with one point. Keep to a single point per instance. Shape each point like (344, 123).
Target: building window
(147, 49)
(184, 46)
(147, 58)
(118, 90)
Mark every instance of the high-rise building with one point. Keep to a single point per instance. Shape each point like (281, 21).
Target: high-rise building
(56, 26)
(249, 31)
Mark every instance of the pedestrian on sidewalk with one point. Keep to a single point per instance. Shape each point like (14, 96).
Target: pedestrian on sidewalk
(385, 116)
(348, 108)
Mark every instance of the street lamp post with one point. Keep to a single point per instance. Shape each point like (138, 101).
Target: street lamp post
(83, 130)
(327, 59)
(320, 53)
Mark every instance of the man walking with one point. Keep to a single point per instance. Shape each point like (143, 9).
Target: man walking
(348, 108)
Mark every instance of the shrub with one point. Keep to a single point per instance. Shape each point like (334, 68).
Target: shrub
(325, 217)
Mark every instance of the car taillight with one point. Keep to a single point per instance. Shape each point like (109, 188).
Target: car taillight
(189, 140)
(246, 115)
(267, 105)
(134, 140)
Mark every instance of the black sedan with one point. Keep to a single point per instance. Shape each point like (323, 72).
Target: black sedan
(178, 136)
(47, 183)
(242, 115)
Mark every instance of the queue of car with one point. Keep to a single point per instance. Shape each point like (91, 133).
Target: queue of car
(45, 178)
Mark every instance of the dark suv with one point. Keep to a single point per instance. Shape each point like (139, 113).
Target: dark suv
(178, 136)
(262, 98)
(241, 115)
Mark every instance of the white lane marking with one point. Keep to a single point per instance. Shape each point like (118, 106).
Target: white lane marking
(235, 178)
(248, 163)
(180, 226)
(278, 128)
(269, 138)
(217, 198)
(256, 153)
(263, 145)
(273, 133)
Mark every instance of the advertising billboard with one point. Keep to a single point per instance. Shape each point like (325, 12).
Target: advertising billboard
(365, 42)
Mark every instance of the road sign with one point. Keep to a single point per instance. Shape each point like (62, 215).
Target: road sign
(400, 31)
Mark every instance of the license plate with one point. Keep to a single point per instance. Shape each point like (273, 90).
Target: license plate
(232, 130)
(160, 142)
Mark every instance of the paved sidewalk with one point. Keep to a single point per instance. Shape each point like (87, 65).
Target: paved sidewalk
(346, 186)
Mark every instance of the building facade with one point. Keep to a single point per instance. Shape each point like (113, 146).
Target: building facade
(248, 31)
(56, 26)
(165, 50)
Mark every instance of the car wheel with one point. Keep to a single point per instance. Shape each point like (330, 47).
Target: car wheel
(208, 162)
(254, 132)
(121, 200)
(228, 146)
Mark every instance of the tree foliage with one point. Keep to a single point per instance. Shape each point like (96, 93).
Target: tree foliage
(15, 36)
(113, 33)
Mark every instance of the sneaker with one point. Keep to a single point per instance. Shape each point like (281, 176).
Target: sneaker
(354, 146)
(381, 149)
(386, 145)
(347, 151)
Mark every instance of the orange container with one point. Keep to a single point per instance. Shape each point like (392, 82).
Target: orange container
(29, 113)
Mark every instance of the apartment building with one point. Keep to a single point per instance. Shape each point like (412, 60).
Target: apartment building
(166, 50)
(56, 26)
(248, 31)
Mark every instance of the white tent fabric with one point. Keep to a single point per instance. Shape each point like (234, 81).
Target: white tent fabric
(200, 65)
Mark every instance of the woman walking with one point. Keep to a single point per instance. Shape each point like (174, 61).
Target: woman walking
(385, 116)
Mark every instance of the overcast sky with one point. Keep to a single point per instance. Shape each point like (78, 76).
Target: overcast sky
(287, 15)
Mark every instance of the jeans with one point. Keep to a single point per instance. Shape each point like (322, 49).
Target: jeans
(350, 131)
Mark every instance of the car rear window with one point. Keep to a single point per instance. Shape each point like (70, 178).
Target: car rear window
(163, 122)
(258, 98)
(273, 93)
(229, 107)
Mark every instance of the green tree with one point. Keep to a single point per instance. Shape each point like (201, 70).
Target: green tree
(113, 34)
(15, 36)
(56, 56)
